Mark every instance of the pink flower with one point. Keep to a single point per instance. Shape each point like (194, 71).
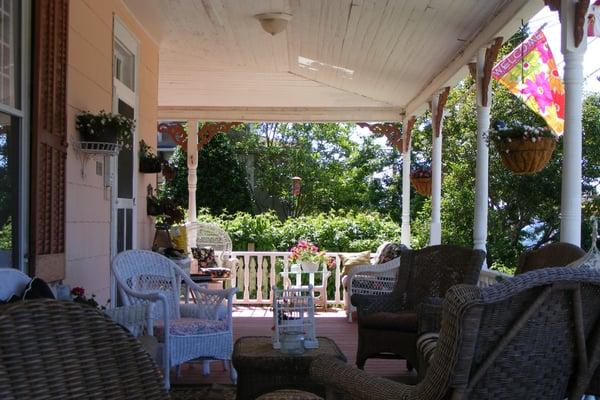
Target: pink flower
(540, 90)
(78, 291)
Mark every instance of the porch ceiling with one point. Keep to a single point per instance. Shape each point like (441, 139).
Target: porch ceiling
(347, 58)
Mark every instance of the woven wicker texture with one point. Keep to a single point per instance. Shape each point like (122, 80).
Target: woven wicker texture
(289, 395)
(525, 157)
(422, 185)
(62, 350)
(534, 336)
(423, 275)
(551, 255)
(262, 369)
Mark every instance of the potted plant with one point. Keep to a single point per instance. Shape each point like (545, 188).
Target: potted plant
(308, 255)
(524, 149)
(105, 127)
(420, 177)
(149, 162)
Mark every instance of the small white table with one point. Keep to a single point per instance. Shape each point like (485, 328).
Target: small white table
(321, 289)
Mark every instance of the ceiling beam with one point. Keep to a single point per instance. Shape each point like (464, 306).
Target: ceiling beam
(490, 30)
(281, 114)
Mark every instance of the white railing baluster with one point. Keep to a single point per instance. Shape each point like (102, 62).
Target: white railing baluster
(338, 279)
(272, 274)
(246, 278)
(259, 278)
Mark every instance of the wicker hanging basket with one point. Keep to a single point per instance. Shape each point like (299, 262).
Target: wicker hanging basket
(422, 185)
(524, 157)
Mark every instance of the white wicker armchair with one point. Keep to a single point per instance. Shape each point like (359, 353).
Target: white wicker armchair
(370, 279)
(204, 234)
(197, 330)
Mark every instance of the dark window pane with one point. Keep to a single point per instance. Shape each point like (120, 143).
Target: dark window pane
(129, 225)
(120, 230)
(125, 177)
(9, 189)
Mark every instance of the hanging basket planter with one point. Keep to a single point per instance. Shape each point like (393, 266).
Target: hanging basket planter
(524, 157)
(422, 185)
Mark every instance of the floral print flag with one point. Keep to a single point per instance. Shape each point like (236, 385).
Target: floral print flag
(530, 73)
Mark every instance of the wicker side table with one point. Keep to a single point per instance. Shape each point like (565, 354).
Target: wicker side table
(262, 369)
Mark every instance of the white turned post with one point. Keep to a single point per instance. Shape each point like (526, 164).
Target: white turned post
(482, 165)
(192, 164)
(570, 211)
(435, 233)
(405, 238)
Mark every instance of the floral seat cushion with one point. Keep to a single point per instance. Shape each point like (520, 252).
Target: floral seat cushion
(190, 327)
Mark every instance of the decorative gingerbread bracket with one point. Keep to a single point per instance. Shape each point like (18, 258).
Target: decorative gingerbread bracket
(581, 9)
(408, 127)
(208, 131)
(391, 131)
(491, 53)
(439, 112)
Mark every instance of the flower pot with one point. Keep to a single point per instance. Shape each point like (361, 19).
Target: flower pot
(524, 157)
(150, 165)
(104, 136)
(309, 266)
(422, 185)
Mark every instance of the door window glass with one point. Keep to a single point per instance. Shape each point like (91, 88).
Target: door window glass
(10, 53)
(124, 65)
(9, 184)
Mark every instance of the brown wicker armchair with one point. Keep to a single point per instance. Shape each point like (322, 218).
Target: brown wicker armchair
(387, 323)
(534, 336)
(551, 255)
(62, 350)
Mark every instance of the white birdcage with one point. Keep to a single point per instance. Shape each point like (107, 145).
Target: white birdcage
(294, 314)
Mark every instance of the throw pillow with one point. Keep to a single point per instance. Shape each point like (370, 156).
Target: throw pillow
(389, 252)
(37, 289)
(349, 262)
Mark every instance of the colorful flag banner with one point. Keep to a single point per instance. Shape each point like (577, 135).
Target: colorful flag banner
(594, 20)
(530, 73)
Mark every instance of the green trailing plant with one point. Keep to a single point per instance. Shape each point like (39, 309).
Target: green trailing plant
(105, 127)
(149, 162)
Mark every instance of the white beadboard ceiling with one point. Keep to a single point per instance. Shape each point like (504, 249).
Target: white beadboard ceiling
(334, 54)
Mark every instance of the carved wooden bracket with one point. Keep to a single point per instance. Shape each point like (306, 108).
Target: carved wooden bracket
(491, 53)
(208, 131)
(390, 130)
(408, 127)
(211, 129)
(473, 70)
(581, 9)
(442, 98)
(176, 131)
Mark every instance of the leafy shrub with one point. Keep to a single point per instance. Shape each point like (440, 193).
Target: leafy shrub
(345, 231)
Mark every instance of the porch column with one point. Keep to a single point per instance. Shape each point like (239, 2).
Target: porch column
(573, 49)
(192, 164)
(437, 113)
(405, 238)
(486, 58)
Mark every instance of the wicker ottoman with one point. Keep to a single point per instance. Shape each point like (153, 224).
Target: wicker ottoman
(286, 394)
(262, 369)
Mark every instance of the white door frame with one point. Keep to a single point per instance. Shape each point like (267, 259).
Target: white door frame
(131, 97)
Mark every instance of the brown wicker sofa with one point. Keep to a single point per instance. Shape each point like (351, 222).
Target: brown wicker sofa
(534, 336)
(551, 255)
(62, 350)
(387, 324)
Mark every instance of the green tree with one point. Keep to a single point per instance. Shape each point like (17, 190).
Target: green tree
(222, 182)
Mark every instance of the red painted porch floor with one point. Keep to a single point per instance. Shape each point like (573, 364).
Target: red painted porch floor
(257, 321)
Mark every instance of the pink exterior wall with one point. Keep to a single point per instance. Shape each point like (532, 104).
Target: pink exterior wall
(90, 88)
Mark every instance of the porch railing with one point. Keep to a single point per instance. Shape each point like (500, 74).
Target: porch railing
(258, 271)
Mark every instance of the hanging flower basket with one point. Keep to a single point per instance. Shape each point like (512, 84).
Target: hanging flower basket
(422, 185)
(524, 157)
(523, 149)
(149, 162)
(105, 128)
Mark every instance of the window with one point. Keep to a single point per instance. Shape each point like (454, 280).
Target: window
(9, 183)
(9, 53)
(124, 65)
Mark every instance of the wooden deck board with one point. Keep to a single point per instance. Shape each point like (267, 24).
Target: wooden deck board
(257, 321)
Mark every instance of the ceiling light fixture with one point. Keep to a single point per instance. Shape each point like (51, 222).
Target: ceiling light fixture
(273, 23)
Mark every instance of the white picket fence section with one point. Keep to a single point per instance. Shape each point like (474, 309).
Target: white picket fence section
(260, 270)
